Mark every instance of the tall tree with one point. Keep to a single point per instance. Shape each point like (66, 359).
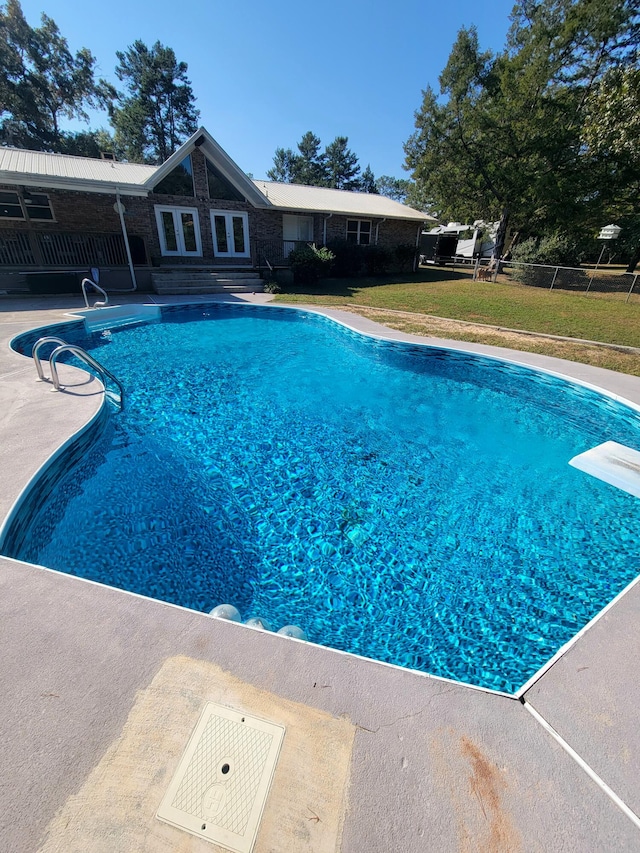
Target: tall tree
(157, 112)
(504, 135)
(41, 82)
(341, 165)
(395, 188)
(309, 166)
(336, 167)
(611, 132)
(368, 182)
(283, 169)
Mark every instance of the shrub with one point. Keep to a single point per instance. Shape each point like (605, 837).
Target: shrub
(376, 259)
(405, 256)
(309, 263)
(553, 250)
(349, 259)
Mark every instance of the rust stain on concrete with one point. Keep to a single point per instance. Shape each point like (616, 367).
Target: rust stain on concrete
(487, 785)
(476, 791)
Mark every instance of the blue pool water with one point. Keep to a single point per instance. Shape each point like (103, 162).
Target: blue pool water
(408, 504)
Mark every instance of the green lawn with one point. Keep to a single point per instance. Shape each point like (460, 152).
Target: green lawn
(444, 293)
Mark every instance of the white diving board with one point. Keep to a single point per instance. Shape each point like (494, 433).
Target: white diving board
(612, 463)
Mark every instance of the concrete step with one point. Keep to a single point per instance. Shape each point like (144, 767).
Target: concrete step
(203, 275)
(187, 288)
(178, 281)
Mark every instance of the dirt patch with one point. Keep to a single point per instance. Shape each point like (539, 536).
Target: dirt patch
(607, 356)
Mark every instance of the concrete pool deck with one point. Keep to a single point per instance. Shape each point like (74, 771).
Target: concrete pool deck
(102, 689)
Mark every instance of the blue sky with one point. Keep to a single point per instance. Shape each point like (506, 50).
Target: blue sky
(264, 73)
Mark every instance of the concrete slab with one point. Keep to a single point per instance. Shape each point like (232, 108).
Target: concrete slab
(431, 760)
(431, 765)
(591, 697)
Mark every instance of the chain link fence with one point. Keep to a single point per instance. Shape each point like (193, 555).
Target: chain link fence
(576, 279)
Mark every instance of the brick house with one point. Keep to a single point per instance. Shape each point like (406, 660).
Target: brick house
(62, 214)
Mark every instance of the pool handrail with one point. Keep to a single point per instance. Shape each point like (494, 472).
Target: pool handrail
(90, 281)
(49, 339)
(82, 354)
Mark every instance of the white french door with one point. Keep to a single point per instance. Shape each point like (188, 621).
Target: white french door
(230, 230)
(179, 231)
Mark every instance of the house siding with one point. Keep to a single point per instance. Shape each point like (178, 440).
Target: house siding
(92, 213)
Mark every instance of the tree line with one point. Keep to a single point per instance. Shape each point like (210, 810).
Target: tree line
(541, 135)
(337, 167)
(42, 83)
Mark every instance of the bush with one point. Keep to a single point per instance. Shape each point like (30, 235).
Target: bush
(309, 263)
(270, 285)
(376, 259)
(349, 260)
(555, 250)
(405, 256)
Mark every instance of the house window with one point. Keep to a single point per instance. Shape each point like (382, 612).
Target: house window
(220, 187)
(37, 206)
(10, 207)
(359, 231)
(296, 229)
(179, 181)
(28, 206)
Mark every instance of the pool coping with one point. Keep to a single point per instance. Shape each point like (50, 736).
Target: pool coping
(357, 696)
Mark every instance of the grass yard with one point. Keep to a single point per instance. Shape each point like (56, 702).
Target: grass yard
(441, 293)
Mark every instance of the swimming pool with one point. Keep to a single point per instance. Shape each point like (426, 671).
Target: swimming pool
(401, 502)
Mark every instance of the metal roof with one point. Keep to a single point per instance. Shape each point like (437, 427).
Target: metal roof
(20, 166)
(64, 171)
(298, 197)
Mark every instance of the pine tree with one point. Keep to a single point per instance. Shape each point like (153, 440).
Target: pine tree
(368, 182)
(341, 164)
(157, 112)
(309, 166)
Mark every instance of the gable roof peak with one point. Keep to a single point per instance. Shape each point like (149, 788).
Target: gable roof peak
(230, 170)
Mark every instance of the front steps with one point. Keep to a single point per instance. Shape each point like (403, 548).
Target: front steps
(187, 282)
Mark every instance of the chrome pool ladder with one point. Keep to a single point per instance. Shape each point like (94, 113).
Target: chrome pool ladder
(83, 355)
(91, 282)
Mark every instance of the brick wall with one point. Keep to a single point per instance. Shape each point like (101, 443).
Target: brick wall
(93, 213)
(84, 213)
(391, 232)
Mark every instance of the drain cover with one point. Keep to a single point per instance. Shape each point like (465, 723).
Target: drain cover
(220, 787)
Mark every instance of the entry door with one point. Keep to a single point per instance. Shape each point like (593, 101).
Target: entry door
(230, 233)
(179, 231)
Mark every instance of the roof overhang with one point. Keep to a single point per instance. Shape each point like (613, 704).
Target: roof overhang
(360, 214)
(203, 140)
(72, 184)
